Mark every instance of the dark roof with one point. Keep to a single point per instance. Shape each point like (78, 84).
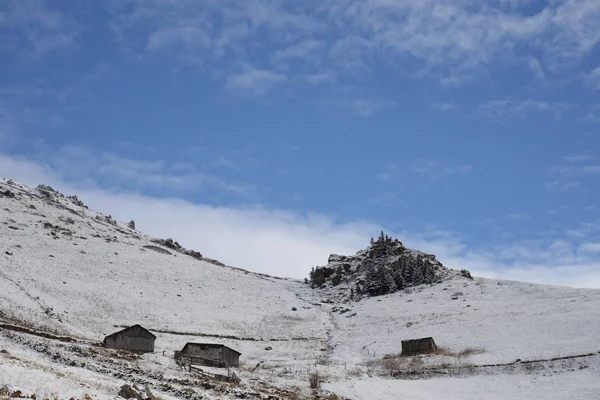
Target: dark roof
(191, 344)
(138, 328)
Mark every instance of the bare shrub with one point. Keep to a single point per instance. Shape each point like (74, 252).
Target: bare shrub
(323, 359)
(355, 372)
(416, 364)
(315, 380)
(469, 351)
(393, 365)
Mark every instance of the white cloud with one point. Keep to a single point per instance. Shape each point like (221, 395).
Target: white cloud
(501, 110)
(562, 186)
(590, 248)
(80, 164)
(255, 82)
(593, 79)
(444, 107)
(435, 170)
(593, 113)
(306, 51)
(578, 158)
(40, 29)
(536, 68)
(449, 41)
(369, 107)
(582, 170)
(519, 217)
(285, 243)
(189, 36)
(320, 78)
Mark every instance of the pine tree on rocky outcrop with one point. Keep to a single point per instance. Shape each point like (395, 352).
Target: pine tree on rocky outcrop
(398, 279)
(408, 268)
(380, 280)
(429, 274)
(417, 272)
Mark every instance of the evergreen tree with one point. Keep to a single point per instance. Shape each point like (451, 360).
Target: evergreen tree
(407, 271)
(398, 279)
(429, 274)
(380, 280)
(419, 271)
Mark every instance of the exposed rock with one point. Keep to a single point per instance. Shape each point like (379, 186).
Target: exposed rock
(133, 392)
(174, 245)
(75, 200)
(67, 220)
(466, 274)
(8, 193)
(131, 225)
(106, 218)
(47, 191)
(384, 267)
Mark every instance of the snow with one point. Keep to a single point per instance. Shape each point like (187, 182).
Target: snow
(567, 386)
(102, 277)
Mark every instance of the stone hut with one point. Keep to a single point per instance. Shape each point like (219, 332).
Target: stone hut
(209, 354)
(418, 346)
(135, 338)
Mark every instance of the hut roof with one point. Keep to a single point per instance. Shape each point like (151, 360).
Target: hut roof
(138, 330)
(192, 344)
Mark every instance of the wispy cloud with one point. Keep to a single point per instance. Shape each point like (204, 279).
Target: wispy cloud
(445, 107)
(593, 113)
(308, 51)
(38, 29)
(574, 170)
(593, 79)
(81, 164)
(519, 217)
(501, 110)
(432, 170)
(562, 185)
(579, 170)
(579, 158)
(450, 41)
(254, 82)
(590, 248)
(536, 68)
(190, 36)
(372, 106)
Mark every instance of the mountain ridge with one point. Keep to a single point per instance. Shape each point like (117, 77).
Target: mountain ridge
(67, 272)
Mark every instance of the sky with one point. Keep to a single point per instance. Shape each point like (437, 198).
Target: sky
(269, 134)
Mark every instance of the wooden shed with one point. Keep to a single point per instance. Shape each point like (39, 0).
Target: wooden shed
(209, 354)
(135, 338)
(418, 346)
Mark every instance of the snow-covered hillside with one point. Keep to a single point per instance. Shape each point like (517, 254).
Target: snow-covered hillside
(74, 276)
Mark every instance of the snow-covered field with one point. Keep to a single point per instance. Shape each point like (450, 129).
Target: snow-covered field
(68, 271)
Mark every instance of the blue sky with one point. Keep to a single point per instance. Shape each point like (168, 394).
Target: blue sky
(468, 128)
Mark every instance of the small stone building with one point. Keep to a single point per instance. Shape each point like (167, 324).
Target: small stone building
(135, 338)
(418, 346)
(209, 354)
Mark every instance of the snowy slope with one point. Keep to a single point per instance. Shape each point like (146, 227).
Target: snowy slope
(69, 271)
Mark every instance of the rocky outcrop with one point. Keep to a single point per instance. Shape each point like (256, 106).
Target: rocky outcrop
(384, 267)
(173, 245)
